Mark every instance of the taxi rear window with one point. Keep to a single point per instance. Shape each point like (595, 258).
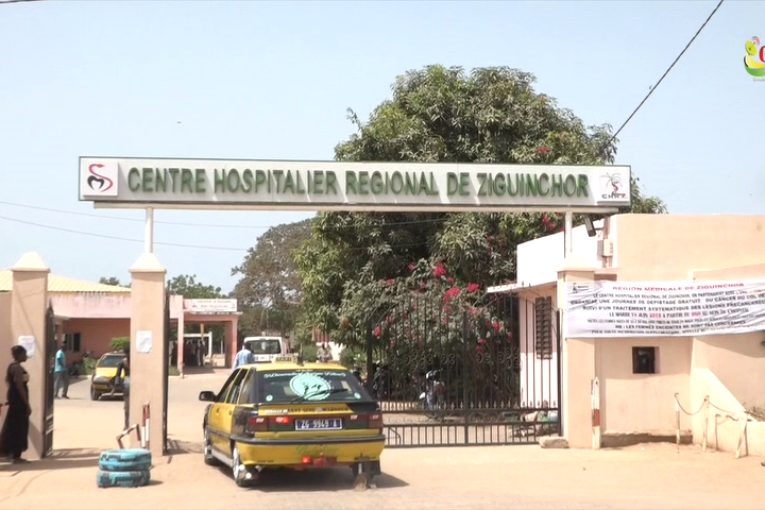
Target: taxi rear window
(285, 386)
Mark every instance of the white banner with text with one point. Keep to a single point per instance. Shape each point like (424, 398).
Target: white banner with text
(607, 309)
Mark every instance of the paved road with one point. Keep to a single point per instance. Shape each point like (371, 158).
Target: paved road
(653, 477)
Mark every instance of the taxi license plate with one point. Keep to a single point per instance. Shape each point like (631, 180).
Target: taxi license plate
(323, 424)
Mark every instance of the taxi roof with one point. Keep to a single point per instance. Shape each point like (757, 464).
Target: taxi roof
(286, 365)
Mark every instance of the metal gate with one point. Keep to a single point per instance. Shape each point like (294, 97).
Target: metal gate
(466, 374)
(166, 371)
(49, 354)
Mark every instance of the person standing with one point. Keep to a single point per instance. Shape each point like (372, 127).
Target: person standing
(14, 436)
(61, 374)
(123, 379)
(245, 356)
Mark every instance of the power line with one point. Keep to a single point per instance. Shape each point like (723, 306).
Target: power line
(653, 89)
(116, 238)
(177, 245)
(186, 224)
(17, 1)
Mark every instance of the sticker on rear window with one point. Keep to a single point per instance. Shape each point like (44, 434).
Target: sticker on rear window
(310, 386)
(269, 398)
(357, 395)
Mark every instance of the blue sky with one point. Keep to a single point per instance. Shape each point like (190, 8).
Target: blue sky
(272, 80)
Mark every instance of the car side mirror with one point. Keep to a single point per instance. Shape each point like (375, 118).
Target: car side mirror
(207, 396)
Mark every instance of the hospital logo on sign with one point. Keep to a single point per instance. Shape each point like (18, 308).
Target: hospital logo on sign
(98, 179)
(613, 187)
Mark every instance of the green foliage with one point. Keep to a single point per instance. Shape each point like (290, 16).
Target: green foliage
(353, 357)
(119, 343)
(188, 287)
(438, 114)
(112, 280)
(269, 290)
(88, 366)
(310, 353)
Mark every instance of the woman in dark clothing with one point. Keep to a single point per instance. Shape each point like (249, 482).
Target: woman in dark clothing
(13, 438)
(123, 379)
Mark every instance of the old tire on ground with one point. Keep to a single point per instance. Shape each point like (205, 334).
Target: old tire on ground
(114, 465)
(106, 479)
(128, 460)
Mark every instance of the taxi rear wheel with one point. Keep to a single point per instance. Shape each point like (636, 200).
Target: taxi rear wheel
(238, 469)
(94, 393)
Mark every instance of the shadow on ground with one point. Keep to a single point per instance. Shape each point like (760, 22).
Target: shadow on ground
(61, 459)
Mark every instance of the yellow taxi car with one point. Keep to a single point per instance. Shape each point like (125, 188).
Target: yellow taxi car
(287, 414)
(104, 373)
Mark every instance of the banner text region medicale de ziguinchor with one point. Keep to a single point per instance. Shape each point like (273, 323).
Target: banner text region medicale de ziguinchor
(644, 309)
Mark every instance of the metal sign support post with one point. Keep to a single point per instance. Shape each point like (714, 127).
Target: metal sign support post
(568, 227)
(148, 233)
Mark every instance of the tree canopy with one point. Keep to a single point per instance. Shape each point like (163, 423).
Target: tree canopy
(269, 290)
(188, 287)
(439, 114)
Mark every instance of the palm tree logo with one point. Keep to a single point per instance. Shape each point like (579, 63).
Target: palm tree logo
(614, 181)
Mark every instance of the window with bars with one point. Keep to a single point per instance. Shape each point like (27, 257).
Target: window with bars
(543, 338)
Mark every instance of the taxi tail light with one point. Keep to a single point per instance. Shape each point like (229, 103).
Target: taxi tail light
(280, 420)
(256, 424)
(375, 421)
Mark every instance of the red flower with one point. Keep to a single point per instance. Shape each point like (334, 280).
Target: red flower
(545, 219)
(411, 267)
(439, 270)
(392, 343)
(390, 282)
(473, 287)
(551, 227)
(377, 332)
(452, 292)
(474, 311)
(543, 150)
(481, 341)
(496, 326)
(490, 239)
(389, 319)
(450, 280)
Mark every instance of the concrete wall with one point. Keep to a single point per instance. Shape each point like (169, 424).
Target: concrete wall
(97, 334)
(540, 259)
(669, 247)
(103, 306)
(6, 341)
(642, 403)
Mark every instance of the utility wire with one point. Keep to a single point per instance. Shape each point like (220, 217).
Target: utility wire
(177, 245)
(653, 89)
(187, 224)
(17, 1)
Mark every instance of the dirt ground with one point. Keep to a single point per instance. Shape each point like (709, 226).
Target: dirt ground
(643, 477)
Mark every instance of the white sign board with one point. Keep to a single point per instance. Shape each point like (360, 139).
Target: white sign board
(210, 305)
(336, 185)
(28, 343)
(647, 309)
(144, 341)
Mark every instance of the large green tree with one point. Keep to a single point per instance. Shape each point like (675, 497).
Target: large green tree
(438, 114)
(269, 290)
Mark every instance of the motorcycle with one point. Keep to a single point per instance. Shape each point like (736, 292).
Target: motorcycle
(433, 397)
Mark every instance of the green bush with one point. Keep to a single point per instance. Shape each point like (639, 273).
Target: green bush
(88, 366)
(119, 343)
(350, 358)
(310, 353)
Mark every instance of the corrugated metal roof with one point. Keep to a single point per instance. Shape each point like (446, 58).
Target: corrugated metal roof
(60, 284)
